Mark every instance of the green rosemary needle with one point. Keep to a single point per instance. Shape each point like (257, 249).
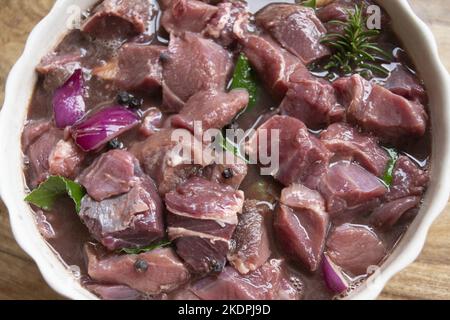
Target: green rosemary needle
(353, 49)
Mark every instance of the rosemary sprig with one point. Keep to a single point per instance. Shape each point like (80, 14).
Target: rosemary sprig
(354, 49)
(388, 176)
(229, 146)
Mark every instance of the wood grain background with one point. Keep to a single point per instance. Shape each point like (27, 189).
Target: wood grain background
(427, 278)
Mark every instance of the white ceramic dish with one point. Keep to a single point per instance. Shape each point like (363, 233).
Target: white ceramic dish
(417, 39)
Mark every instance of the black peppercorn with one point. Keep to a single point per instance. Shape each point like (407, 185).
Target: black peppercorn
(215, 266)
(124, 98)
(115, 144)
(227, 173)
(128, 100)
(141, 266)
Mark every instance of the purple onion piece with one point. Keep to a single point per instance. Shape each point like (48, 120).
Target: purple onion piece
(68, 101)
(333, 276)
(103, 126)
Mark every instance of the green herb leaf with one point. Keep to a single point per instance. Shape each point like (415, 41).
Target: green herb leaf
(309, 3)
(231, 147)
(49, 191)
(145, 249)
(388, 173)
(244, 78)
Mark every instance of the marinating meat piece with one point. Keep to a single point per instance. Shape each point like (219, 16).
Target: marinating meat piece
(230, 285)
(65, 159)
(313, 102)
(301, 225)
(199, 198)
(407, 180)
(403, 82)
(49, 153)
(184, 294)
(187, 15)
(131, 220)
(162, 161)
(158, 161)
(176, 176)
(335, 10)
(115, 292)
(57, 68)
(137, 67)
(378, 110)
(119, 18)
(202, 254)
(251, 244)
(152, 273)
(152, 151)
(202, 221)
(214, 109)
(39, 153)
(265, 283)
(231, 20)
(202, 244)
(354, 248)
(110, 175)
(346, 142)
(179, 225)
(193, 64)
(389, 213)
(33, 130)
(302, 157)
(274, 65)
(54, 61)
(296, 28)
(229, 174)
(349, 187)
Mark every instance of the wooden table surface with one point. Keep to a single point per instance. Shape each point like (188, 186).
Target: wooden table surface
(427, 278)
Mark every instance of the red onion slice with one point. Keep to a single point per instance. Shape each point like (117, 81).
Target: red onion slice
(103, 126)
(333, 276)
(68, 101)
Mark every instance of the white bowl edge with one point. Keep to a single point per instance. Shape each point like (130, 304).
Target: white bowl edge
(12, 187)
